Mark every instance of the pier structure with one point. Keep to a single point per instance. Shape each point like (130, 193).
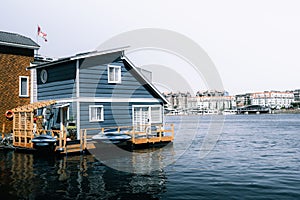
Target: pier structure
(253, 109)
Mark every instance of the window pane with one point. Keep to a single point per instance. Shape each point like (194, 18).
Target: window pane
(24, 86)
(93, 114)
(117, 71)
(155, 114)
(114, 74)
(98, 113)
(111, 73)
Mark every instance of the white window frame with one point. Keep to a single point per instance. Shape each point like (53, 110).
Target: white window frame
(150, 113)
(91, 118)
(115, 68)
(20, 86)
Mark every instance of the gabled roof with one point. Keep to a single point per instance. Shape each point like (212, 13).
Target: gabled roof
(145, 80)
(79, 56)
(17, 40)
(138, 75)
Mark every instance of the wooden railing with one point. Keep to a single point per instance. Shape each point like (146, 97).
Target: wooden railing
(22, 138)
(140, 134)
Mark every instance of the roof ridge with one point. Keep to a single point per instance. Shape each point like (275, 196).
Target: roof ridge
(16, 39)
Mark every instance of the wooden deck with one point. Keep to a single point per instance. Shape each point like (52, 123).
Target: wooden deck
(159, 134)
(143, 134)
(63, 145)
(27, 126)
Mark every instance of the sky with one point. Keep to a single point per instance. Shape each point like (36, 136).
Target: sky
(254, 44)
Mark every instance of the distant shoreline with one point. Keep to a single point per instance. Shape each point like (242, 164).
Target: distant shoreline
(287, 111)
(282, 111)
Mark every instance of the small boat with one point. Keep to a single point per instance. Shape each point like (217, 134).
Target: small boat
(229, 112)
(112, 137)
(44, 142)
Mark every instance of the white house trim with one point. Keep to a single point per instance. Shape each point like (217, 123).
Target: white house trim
(117, 100)
(145, 79)
(19, 45)
(97, 53)
(20, 86)
(77, 96)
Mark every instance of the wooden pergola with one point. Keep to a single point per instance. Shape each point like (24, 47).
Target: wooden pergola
(23, 123)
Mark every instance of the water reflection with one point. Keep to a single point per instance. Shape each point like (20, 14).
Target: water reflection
(31, 176)
(141, 161)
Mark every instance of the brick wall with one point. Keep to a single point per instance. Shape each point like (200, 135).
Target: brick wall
(11, 67)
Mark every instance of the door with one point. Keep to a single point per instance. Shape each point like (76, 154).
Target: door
(141, 118)
(63, 118)
(145, 116)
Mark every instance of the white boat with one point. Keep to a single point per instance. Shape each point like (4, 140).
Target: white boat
(113, 137)
(229, 112)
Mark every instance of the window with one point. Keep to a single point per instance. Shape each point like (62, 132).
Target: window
(24, 86)
(114, 74)
(147, 114)
(96, 113)
(156, 114)
(44, 76)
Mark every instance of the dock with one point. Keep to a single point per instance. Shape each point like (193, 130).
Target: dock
(30, 133)
(139, 135)
(21, 140)
(253, 109)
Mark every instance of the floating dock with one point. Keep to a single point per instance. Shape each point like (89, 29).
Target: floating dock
(129, 135)
(22, 139)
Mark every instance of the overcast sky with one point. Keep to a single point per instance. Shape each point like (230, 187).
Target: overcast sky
(254, 44)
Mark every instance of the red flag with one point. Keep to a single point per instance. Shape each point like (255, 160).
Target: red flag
(42, 34)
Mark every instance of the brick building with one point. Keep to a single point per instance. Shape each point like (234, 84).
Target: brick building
(16, 54)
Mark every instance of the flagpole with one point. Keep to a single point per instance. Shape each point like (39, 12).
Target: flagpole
(37, 40)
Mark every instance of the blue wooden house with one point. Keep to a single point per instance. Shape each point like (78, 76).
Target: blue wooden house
(100, 89)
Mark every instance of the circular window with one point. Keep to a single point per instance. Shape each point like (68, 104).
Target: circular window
(44, 76)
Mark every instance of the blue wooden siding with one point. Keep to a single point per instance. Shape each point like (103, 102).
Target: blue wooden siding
(60, 83)
(115, 114)
(94, 83)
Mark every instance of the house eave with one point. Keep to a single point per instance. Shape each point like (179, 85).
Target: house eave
(80, 56)
(98, 53)
(19, 45)
(146, 81)
(49, 63)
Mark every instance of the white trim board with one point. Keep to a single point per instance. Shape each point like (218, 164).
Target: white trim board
(117, 100)
(19, 45)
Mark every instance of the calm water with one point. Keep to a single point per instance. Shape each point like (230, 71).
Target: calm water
(255, 157)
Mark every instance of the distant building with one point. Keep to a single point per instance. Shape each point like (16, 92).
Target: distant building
(215, 100)
(16, 54)
(297, 95)
(185, 103)
(216, 103)
(177, 101)
(211, 93)
(271, 99)
(243, 99)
